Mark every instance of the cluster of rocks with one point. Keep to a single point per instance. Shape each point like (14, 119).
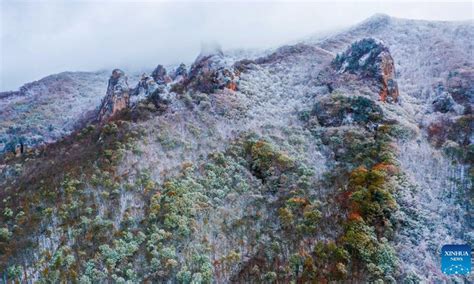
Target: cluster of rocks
(120, 96)
(147, 85)
(209, 73)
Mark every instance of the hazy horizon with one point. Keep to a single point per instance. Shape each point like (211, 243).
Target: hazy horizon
(47, 37)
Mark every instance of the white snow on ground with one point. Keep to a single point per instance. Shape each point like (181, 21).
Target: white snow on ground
(434, 203)
(48, 109)
(433, 207)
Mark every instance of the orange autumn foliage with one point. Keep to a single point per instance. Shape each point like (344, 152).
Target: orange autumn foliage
(385, 167)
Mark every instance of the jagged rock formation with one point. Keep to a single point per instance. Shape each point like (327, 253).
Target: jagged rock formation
(369, 58)
(210, 72)
(160, 75)
(152, 88)
(180, 73)
(117, 97)
(144, 88)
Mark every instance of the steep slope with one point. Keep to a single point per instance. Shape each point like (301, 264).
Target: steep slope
(429, 57)
(283, 168)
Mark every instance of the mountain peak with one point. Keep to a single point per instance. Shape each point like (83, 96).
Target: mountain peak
(210, 49)
(378, 17)
(375, 21)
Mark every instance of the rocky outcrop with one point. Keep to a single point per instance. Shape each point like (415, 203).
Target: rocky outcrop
(160, 75)
(460, 86)
(443, 103)
(120, 96)
(370, 59)
(155, 92)
(145, 87)
(389, 91)
(181, 73)
(117, 97)
(210, 72)
(444, 128)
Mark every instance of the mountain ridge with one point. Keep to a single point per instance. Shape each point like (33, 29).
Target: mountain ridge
(297, 171)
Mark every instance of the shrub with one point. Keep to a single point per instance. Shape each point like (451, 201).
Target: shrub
(266, 161)
(5, 234)
(7, 212)
(286, 217)
(270, 276)
(14, 272)
(337, 110)
(184, 276)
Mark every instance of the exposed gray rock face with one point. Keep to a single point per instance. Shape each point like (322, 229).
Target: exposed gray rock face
(117, 97)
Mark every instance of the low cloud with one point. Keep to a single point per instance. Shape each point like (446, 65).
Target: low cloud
(41, 38)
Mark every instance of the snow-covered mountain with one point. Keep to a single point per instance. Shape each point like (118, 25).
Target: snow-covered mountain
(46, 110)
(343, 158)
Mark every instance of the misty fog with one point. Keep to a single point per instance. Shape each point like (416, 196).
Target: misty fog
(41, 38)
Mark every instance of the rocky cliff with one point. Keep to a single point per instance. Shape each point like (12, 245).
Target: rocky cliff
(117, 97)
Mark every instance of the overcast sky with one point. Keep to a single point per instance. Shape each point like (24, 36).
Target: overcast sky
(39, 38)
